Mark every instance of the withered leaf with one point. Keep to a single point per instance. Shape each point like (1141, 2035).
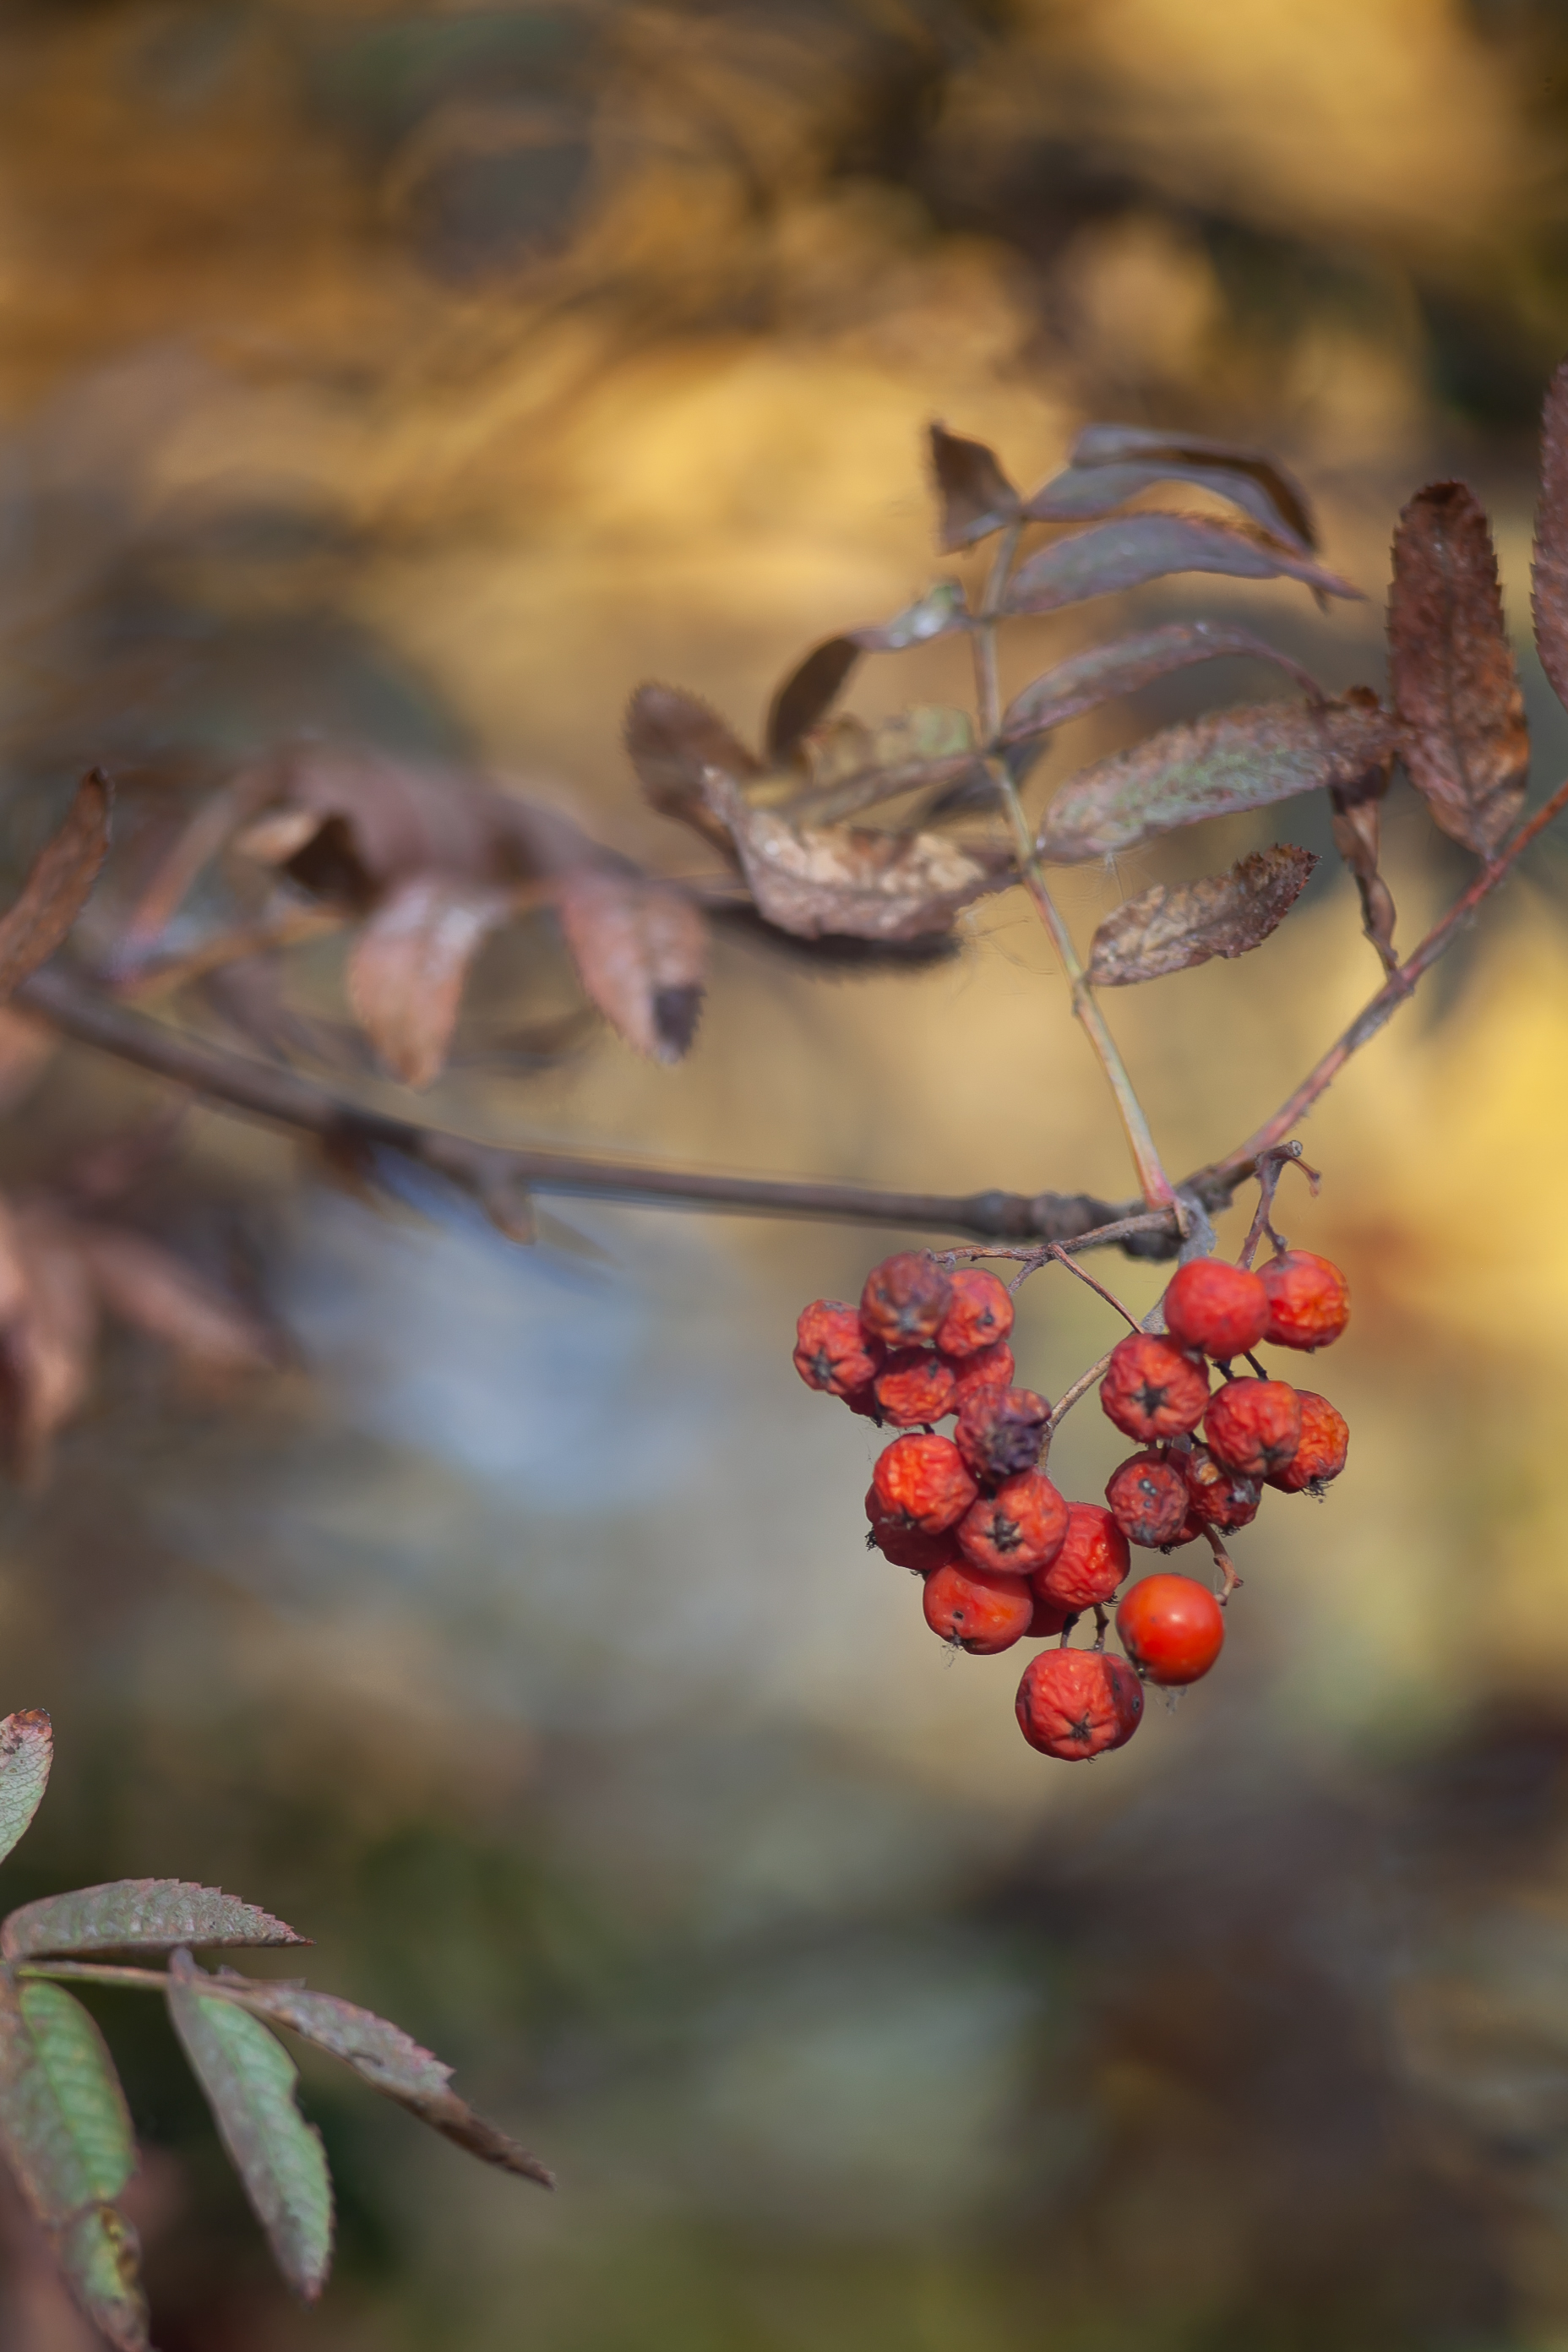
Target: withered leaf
(1464, 739)
(812, 685)
(976, 495)
(1176, 925)
(851, 881)
(671, 737)
(1188, 454)
(1355, 798)
(1083, 496)
(1102, 672)
(409, 968)
(146, 1286)
(58, 886)
(1549, 584)
(1214, 766)
(641, 952)
(1138, 547)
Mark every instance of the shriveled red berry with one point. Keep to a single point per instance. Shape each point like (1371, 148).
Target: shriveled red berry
(905, 1546)
(1189, 1531)
(1047, 1619)
(1220, 1498)
(1001, 1432)
(1254, 1426)
(1216, 1307)
(976, 1611)
(1154, 1387)
(832, 1351)
(1079, 1703)
(1019, 1529)
(1309, 1299)
(913, 1385)
(923, 1483)
(981, 1313)
(1148, 1498)
(1092, 1563)
(905, 1298)
(1320, 1455)
(864, 1401)
(1172, 1628)
(989, 1368)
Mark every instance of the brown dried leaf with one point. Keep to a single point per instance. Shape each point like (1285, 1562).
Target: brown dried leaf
(1233, 759)
(1102, 672)
(49, 1342)
(671, 738)
(850, 881)
(976, 495)
(1174, 926)
(407, 973)
(1549, 584)
(59, 885)
(811, 689)
(1138, 547)
(146, 1286)
(641, 952)
(1355, 797)
(1242, 474)
(1465, 741)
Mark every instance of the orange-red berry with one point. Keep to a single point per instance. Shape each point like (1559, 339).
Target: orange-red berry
(1216, 1307)
(1254, 1426)
(1092, 1563)
(905, 1298)
(1148, 1498)
(1079, 1703)
(1047, 1619)
(921, 1482)
(989, 1368)
(913, 1385)
(1189, 1531)
(832, 1351)
(1001, 1432)
(905, 1546)
(1320, 1455)
(1172, 1628)
(1019, 1529)
(981, 1313)
(976, 1611)
(1308, 1300)
(1220, 1498)
(1154, 1387)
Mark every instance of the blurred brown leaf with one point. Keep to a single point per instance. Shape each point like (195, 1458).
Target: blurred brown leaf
(812, 685)
(1102, 672)
(58, 886)
(1137, 456)
(976, 495)
(641, 952)
(409, 967)
(1355, 797)
(1232, 760)
(1176, 925)
(144, 1284)
(671, 737)
(1465, 741)
(1142, 546)
(1549, 582)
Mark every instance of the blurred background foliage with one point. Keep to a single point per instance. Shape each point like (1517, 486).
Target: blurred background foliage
(428, 377)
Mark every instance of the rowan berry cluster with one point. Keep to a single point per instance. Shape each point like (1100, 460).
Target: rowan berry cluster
(1001, 1554)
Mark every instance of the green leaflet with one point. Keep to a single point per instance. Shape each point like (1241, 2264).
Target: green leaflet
(100, 2255)
(79, 2078)
(26, 1751)
(138, 1915)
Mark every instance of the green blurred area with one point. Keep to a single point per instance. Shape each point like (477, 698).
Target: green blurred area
(430, 378)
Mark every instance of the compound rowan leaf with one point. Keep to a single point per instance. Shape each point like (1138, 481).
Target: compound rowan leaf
(1549, 582)
(138, 1914)
(1233, 759)
(641, 952)
(1102, 672)
(1250, 477)
(671, 738)
(1464, 741)
(148, 1286)
(407, 972)
(249, 2080)
(1176, 925)
(813, 685)
(976, 495)
(27, 1752)
(58, 886)
(1138, 547)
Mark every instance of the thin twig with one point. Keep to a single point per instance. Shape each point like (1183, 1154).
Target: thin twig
(1270, 1167)
(1225, 1565)
(1081, 1388)
(1054, 1249)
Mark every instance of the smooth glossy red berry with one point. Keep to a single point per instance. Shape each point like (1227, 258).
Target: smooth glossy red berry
(989, 1368)
(1154, 1387)
(1309, 1299)
(1001, 1432)
(1216, 1307)
(1320, 1455)
(914, 1386)
(1092, 1563)
(1079, 1703)
(1148, 1498)
(831, 1350)
(1172, 1628)
(1254, 1426)
(976, 1611)
(1019, 1529)
(905, 1298)
(981, 1313)
(921, 1481)
(1220, 1498)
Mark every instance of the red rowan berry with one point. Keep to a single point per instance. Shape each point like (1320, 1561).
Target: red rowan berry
(913, 1385)
(832, 1351)
(1019, 1529)
(1001, 1431)
(1254, 1426)
(905, 1546)
(1172, 1628)
(1320, 1455)
(1092, 1563)
(989, 1368)
(1189, 1531)
(1218, 1307)
(864, 1401)
(981, 1313)
(1308, 1300)
(1154, 1388)
(1220, 1498)
(1079, 1703)
(1047, 1619)
(921, 1481)
(1148, 1498)
(905, 1298)
(977, 1611)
